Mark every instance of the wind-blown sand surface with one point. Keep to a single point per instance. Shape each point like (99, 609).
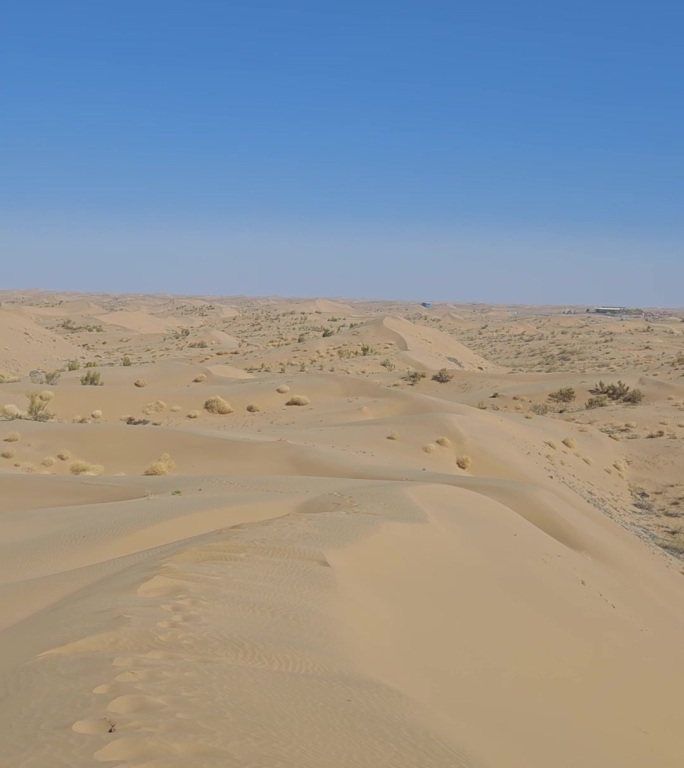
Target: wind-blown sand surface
(395, 572)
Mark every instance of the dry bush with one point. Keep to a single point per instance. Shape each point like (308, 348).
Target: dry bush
(216, 404)
(430, 448)
(298, 400)
(8, 454)
(37, 407)
(194, 415)
(464, 462)
(393, 436)
(10, 412)
(175, 408)
(64, 455)
(156, 407)
(96, 414)
(253, 408)
(570, 442)
(140, 383)
(283, 389)
(444, 442)
(46, 395)
(13, 437)
(48, 461)
(162, 466)
(80, 467)
(443, 376)
(199, 378)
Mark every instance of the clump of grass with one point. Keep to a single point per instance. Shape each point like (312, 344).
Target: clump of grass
(464, 462)
(126, 361)
(13, 437)
(64, 455)
(79, 467)
(140, 383)
(540, 409)
(283, 389)
(216, 404)
(414, 377)
(443, 441)
(298, 400)
(430, 448)
(393, 436)
(96, 414)
(8, 453)
(48, 461)
(92, 379)
(194, 415)
(37, 406)
(570, 442)
(199, 378)
(162, 466)
(253, 408)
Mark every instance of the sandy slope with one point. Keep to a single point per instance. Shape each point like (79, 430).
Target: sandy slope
(334, 584)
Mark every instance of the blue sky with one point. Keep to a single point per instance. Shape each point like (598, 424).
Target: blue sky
(479, 151)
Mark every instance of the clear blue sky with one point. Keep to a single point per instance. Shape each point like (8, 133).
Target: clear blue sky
(469, 151)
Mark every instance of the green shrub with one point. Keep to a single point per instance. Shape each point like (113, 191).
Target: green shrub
(563, 395)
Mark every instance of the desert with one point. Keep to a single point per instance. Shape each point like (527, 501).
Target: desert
(240, 531)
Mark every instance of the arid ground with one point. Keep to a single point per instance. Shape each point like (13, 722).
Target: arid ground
(330, 534)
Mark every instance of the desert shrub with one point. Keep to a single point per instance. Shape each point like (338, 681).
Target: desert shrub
(414, 377)
(198, 344)
(597, 401)
(48, 461)
(64, 455)
(541, 409)
(80, 467)
(13, 437)
(618, 392)
(366, 350)
(10, 412)
(253, 408)
(91, 379)
(298, 400)
(194, 415)
(570, 442)
(52, 377)
(37, 407)
(175, 409)
(327, 332)
(443, 441)
(199, 378)
(140, 383)
(126, 362)
(430, 448)
(443, 376)
(563, 395)
(162, 466)
(216, 404)
(633, 397)
(8, 453)
(96, 414)
(156, 407)
(464, 462)
(393, 436)
(73, 365)
(283, 389)
(388, 364)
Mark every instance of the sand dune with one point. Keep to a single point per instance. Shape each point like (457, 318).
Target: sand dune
(346, 567)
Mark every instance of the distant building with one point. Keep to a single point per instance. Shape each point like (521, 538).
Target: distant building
(426, 304)
(610, 310)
